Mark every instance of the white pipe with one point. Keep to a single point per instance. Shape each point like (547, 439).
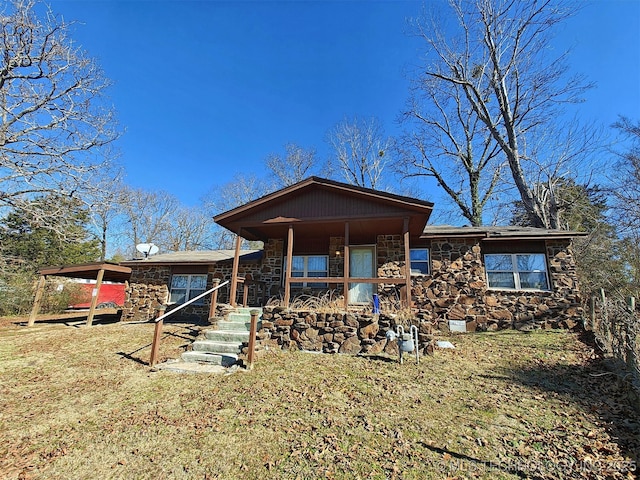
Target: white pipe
(414, 331)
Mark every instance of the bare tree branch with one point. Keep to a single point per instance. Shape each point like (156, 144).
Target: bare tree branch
(297, 165)
(361, 150)
(55, 121)
(497, 64)
(148, 216)
(242, 189)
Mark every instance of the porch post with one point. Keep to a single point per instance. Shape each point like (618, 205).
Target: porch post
(36, 302)
(94, 297)
(407, 261)
(234, 272)
(345, 287)
(213, 302)
(287, 277)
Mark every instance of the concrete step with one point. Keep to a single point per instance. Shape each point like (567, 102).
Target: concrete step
(238, 317)
(222, 346)
(233, 326)
(180, 366)
(215, 347)
(238, 336)
(225, 360)
(247, 310)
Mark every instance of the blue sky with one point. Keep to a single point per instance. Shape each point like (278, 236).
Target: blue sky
(208, 89)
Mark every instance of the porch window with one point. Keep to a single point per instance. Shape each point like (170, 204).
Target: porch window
(517, 271)
(311, 266)
(419, 261)
(186, 287)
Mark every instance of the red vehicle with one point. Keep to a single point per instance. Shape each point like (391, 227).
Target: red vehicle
(111, 294)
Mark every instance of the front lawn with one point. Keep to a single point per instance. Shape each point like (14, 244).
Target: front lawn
(79, 402)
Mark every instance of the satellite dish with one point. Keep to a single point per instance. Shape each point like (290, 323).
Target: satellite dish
(147, 249)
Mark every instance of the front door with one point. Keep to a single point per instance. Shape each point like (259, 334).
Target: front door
(361, 265)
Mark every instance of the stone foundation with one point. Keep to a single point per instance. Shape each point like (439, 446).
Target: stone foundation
(358, 333)
(348, 333)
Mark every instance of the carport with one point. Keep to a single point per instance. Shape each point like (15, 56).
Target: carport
(98, 271)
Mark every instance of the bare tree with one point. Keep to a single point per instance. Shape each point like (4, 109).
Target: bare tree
(445, 140)
(56, 123)
(242, 189)
(190, 229)
(361, 151)
(625, 199)
(105, 211)
(294, 167)
(625, 181)
(148, 216)
(497, 58)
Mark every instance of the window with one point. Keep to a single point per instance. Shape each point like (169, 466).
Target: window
(519, 271)
(419, 261)
(312, 266)
(186, 287)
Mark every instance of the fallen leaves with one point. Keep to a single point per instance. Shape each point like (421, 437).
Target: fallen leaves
(507, 404)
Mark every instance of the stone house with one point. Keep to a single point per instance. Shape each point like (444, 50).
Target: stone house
(169, 279)
(325, 236)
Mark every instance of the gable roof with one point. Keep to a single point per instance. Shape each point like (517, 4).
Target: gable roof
(497, 233)
(325, 204)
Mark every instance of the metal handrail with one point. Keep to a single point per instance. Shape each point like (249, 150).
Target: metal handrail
(155, 344)
(162, 317)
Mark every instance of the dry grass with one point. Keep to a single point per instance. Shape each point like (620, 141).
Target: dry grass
(80, 403)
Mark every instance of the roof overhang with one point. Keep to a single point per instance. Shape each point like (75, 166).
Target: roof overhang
(321, 207)
(499, 233)
(113, 272)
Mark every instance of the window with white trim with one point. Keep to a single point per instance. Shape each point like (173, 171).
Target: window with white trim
(517, 271)
(310, 266)
(419, 261)
(185, 287)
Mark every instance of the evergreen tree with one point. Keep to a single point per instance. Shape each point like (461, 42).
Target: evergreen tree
(58, 239)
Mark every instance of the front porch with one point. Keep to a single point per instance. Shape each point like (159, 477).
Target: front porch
(341, 228)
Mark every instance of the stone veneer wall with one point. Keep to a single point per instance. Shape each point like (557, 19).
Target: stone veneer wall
(349, 333)
(390, 255)
(222, 271)
(271, 271)
(457, 290)
(147, 290)
(336, 260)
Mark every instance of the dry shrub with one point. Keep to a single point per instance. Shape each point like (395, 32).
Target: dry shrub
(327, 302)
(62, 293)
(332, 301)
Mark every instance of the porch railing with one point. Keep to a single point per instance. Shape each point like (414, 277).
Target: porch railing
(343, 280)
(157, 334)
(246, 282)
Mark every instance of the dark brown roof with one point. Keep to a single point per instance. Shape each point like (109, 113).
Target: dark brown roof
(196, 257)
(113, 272)
(495, 233)
(322, 206)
